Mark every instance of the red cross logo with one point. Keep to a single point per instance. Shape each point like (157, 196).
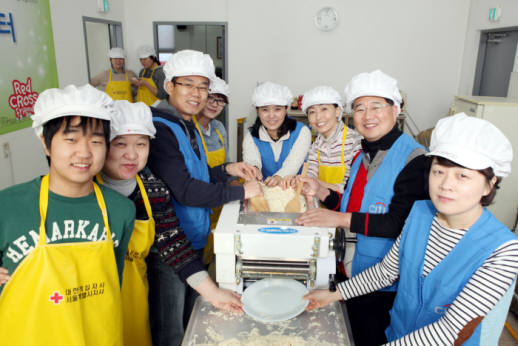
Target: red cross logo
(56, 298)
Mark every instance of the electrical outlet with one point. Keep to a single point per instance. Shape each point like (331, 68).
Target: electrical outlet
(6, 150)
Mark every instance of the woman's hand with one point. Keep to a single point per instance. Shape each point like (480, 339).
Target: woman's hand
(273, 180)
(320, 298)
(4, 276)
(288, 182)
(324, 218)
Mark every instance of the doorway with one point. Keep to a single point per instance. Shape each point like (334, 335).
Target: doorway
(207, 37)
(496, 56)
(100, 36)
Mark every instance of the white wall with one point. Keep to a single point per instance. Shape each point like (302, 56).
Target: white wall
(418, 42)
(23, 160)
(478, 21)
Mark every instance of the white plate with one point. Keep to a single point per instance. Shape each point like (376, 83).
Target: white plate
(273, 300)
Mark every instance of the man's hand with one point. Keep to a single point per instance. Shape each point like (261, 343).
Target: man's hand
(320, 298)
(235, 182)
(220, 298)
(243, 170)
(227, 300)
(324, 218)
(252, 189)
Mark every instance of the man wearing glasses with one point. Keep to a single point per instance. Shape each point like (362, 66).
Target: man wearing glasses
(385, 180)
(177, 157)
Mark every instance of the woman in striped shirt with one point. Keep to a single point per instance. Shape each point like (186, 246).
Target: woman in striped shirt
(332, 152)
(454, 263)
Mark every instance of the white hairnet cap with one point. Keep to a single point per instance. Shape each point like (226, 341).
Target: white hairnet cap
(145, 51)
(321, 95)
(116, 52)
(84, 101)
(473, 143)
(132, 119)
(189, 63)
(219, 86)
(269, 93)
(375, 83)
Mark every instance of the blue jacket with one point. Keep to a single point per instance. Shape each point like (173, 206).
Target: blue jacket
(269, 165)
(194, 220)
(423, 300)
(377, 196)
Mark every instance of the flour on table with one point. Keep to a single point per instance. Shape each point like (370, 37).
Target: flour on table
(272, 339)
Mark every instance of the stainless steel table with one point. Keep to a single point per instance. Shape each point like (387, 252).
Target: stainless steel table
(210, 326)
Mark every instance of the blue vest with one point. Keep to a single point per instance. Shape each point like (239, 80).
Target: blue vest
(377, 196)
(269, 165)
(423, 300)
(193, 220)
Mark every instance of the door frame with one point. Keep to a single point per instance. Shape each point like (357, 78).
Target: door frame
(482, 53)
(103, 21)
(225, 48)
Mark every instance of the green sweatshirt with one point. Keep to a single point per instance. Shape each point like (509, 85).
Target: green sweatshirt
(68, 220)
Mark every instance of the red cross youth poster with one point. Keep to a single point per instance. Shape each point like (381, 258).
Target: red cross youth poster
(28, 60)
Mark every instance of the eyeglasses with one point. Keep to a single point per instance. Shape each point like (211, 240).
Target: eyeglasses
(373, 107)
(191, 87)
(216, 100)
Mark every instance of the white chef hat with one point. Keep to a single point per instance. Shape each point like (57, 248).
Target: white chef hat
(375, 83)
(189, 63)
(116, 52)
(145, 51)
(321, 95)
(84, 101)
(132, 119)
(473, 143)
(219, 86)
(269, 93)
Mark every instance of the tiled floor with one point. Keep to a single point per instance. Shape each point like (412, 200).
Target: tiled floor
(506, 339)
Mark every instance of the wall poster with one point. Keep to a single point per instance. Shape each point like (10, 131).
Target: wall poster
(28, 60)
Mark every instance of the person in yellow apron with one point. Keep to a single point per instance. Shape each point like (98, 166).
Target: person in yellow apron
(331, 153)
(117, 81)
(62, 237)
(135, 287)
(124, 171)
(214, 140)
(127, 156)
(151, 77)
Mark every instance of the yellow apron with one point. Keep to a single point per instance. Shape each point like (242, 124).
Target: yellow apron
(333, 174)
(64, 294)
(214, 158)
(119, 90)
(135, 286)
(143, 93)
